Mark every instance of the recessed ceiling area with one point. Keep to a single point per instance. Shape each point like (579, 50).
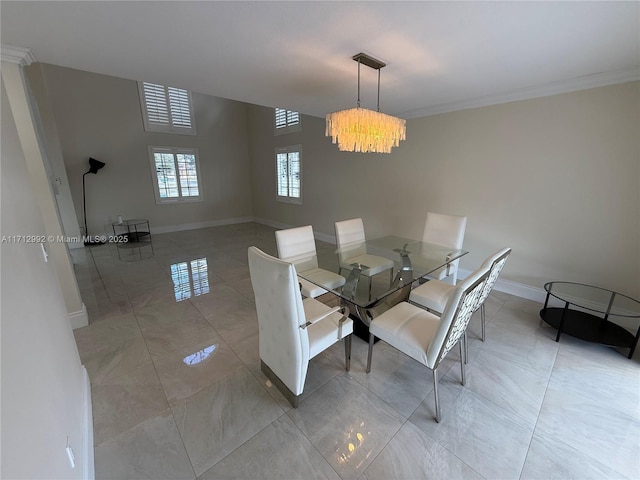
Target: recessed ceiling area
(440, 56)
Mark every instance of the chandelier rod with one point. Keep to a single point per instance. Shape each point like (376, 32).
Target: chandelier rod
(369, 62)
(379, 89)
(358, 82)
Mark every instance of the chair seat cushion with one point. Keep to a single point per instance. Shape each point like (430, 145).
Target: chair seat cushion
(323, 333)
(310, 290)
(432, 295)
(439, 274)
(407, 328)
(374, 264)
(318, 275)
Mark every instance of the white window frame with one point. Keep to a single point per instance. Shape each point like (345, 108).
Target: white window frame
(286, 121)
(171, 106)
(154, 176)
(287, 150)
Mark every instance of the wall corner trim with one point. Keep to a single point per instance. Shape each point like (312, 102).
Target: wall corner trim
(80, 318)
(12, 54)
(88, 465)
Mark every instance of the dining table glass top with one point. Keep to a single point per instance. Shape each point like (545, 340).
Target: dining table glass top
(408, 260)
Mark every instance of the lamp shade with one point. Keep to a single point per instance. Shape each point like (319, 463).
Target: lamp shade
(95, 165)
(362, 130)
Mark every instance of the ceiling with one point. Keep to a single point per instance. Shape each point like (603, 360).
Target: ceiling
(440, 56)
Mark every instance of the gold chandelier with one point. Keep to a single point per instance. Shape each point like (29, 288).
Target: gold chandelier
(362, 130)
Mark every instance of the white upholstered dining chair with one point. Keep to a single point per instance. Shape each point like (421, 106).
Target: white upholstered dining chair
(298, 246)
(434, 294)
(426, 337)
(448, 231)
(292, 331)
(350, 241)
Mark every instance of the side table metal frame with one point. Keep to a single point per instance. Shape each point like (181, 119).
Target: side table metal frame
(136, 239)
(587, 326)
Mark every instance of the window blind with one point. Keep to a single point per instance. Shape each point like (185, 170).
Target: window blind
(176, 174)
(166, 109)
(286, 121)
(289, 174)
(180, 107)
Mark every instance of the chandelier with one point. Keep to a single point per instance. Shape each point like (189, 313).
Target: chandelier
(362, 130)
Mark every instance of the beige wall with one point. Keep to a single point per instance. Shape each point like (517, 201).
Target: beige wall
(99, 116)
(53, 153)
(556, 178)
(44, 386)
(33, 143)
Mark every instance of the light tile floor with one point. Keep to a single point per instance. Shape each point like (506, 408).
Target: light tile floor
(178, 393)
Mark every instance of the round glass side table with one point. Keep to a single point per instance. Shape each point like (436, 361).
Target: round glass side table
(136, 239)
(134, 230)
(590, 317)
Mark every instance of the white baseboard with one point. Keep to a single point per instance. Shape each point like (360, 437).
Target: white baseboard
(513, 288)
(271, 223)
(325, 238)
(319, 236)
(521, 290)
(197, 225)
(88, 468)
(79, 319)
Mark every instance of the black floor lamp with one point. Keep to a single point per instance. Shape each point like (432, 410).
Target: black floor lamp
(94, 166)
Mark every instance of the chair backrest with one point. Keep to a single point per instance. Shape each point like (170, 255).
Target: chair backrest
(446, 230)
(349, 232)
(461, 304)
(298, 246)
(350, 239)
(284, 346)
(494, 263)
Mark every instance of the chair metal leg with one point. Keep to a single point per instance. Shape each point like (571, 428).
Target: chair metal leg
(347, 351)
(482, 316)
(462, 360)
(371, 337)
(466, 347)
(435, 393)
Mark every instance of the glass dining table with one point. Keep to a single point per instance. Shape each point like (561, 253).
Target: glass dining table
(368, 296)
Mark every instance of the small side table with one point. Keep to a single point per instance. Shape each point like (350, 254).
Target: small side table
(595, 327)
(136, 235)
(135, 230)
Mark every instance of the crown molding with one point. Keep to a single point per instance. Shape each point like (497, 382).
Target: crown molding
(579, 83)
(12, 54)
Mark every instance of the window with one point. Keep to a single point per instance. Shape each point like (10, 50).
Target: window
(166, 109)
(175, 174)
(286, 121)
(289, 174)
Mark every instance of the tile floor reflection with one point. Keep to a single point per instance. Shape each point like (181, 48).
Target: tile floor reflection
(172, 353)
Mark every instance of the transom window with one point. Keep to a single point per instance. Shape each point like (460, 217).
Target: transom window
(175, 174)
(286, 121)
(289, 174)
(166, 109)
